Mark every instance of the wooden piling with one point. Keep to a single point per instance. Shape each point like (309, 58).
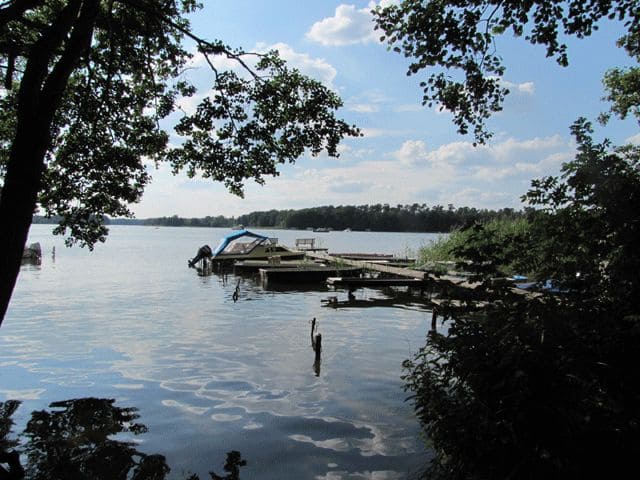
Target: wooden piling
(317, 344)
(236, 292)
(317, 347)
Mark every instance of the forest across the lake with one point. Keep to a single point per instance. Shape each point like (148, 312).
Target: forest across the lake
(379, 217)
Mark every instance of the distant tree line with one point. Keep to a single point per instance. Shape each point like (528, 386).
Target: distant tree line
(176, 221)
(55, 220)
(379, 217)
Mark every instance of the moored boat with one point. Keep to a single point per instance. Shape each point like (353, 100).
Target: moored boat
(246, 245)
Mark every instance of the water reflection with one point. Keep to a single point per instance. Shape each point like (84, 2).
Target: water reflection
(85, 438)
(208, 373)
(405, 300)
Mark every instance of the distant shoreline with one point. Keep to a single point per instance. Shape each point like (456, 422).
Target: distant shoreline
(413, 218)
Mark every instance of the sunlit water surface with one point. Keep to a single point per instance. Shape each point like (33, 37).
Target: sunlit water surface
(130, 321)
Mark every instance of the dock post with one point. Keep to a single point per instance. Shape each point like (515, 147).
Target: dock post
(236, 292)
(313, 332)
(434, 318)
(317, 346)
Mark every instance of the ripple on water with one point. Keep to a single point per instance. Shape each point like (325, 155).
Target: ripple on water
(130, 321)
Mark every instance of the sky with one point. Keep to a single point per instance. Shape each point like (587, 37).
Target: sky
(409, 153)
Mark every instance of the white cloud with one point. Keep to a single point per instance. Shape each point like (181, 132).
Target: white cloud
(510, 159)
(189, 104)
(549, 165)
(220, 62)
(374, 96)
(509, 148)
(317, 68)
(348, 26)
(363, 108)
(374, 132)
(368, 101)
(412, 152)
(408, 107)
(635, 139)
(489, 176)
(526, 88)
(349, 186)
(475, 197)
(455, 152)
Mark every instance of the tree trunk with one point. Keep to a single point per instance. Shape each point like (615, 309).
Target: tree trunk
(41, 90)
(17, 204)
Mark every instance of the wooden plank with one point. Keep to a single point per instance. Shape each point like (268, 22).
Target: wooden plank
(402, 272)
(375, 282)
(455, 281)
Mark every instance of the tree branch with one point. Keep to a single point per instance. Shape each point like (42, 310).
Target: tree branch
(79, 42)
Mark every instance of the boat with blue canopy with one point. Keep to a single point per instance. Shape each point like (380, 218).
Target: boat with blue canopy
(246, 245)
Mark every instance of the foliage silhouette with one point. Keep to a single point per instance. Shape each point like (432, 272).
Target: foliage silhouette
(90, 87)
(544, 385)
(81, 439)
(455, 43)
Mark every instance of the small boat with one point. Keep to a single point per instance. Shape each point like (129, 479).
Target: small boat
(246, 245)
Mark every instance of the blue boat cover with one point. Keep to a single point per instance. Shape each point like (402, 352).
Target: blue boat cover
(235, 235)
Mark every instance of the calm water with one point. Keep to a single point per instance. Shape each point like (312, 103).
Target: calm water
(130, 321)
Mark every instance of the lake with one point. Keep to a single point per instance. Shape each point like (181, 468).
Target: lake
(208, 375)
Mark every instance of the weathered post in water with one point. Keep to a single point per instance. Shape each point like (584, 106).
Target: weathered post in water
(434, 318)
(236, 292)
(317, 347)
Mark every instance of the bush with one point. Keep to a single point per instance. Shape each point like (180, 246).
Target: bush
(544, 385)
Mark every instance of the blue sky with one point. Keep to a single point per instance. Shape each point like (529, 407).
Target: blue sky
(409, 154)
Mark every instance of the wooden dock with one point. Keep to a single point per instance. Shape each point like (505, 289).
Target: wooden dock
(312, 274)
(401, 276)
(365, 265)
(356, 282)
(249, 266)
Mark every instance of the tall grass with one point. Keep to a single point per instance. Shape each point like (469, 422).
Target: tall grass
(508, 233)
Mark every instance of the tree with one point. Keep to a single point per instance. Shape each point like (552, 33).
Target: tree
(87, 84)
(540, 385)
(544, 385)
(460, 38)
(623, 85)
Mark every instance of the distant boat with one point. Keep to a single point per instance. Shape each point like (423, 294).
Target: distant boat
(347, 229)
(321, 229)
(238, 227)
(245, 245)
